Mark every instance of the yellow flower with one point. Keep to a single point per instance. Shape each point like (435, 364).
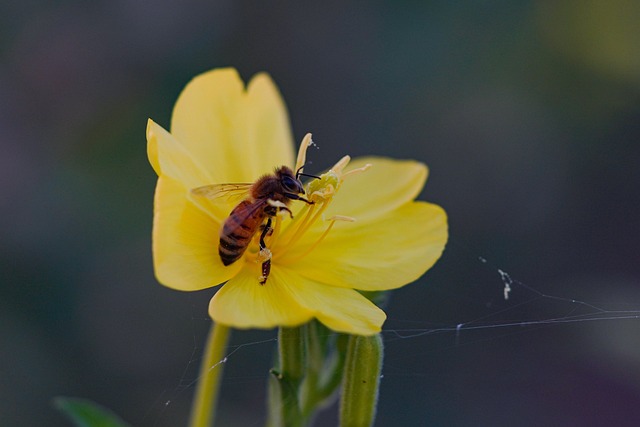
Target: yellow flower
(364, 230)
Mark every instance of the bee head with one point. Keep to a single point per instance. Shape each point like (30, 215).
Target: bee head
(290, 182)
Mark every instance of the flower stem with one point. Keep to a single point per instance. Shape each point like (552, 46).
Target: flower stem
(361, 381)
(203, 408)
(326, 353)
(291, 346)
(284, 407)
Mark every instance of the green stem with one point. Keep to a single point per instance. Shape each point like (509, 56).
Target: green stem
(291, 346)
(361, 381)
(324, 367)
(284, 385)
(204, 404)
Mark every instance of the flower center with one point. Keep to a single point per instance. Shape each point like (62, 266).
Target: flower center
(294, 234)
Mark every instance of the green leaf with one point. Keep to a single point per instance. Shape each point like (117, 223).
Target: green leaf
(85, 413)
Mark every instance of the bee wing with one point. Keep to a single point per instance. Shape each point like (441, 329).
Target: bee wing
(223, 192)
(244, 211)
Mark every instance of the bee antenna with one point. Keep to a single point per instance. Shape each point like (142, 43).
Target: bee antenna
(299, 173)
(310, 176)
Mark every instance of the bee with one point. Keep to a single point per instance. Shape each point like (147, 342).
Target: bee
(264, 198)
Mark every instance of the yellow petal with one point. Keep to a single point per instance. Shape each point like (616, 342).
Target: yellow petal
(236, 134)
(290, 300)
(340, 309)
(243, 303)
(152, 148)
(395, 249)
(185, 241)
(269, 136)
(384, 187)
(168, 156)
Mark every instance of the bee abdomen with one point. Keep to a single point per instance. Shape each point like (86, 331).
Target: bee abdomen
(229, 256)
(237, 232)
(233, 245)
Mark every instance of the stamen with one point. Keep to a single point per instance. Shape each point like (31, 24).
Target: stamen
(309, 219)
(333, 220)
(342, 163)
(321, 191)
(342, 218)
(305, 226)
(357, 171)
(276, 231)
(298, 218)
(302, 152)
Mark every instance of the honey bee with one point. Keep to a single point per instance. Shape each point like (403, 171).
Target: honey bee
(264, 198)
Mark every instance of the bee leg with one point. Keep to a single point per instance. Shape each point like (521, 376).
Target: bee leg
(266, 269)
(266, 264)
(265, 232)
(288, 210)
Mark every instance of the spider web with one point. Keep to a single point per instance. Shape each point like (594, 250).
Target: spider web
(507, 312)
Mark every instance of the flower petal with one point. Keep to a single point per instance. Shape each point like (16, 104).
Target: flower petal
(237, 134)
(387, 253)
(270, 138)
(384, 187)
(340, 309)
(288, 299)
(169, 157)
(185, 241)
(244, 303)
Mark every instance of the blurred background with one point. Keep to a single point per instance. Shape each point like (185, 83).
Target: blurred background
(527, 113)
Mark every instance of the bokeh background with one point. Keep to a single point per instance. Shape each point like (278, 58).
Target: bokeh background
(528, 114)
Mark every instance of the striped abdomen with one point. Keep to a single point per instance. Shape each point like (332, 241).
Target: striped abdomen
(237, 231)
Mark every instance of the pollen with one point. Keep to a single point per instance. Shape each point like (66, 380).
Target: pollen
(264, 255)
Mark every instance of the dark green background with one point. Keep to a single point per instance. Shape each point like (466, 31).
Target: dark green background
(528, 114)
